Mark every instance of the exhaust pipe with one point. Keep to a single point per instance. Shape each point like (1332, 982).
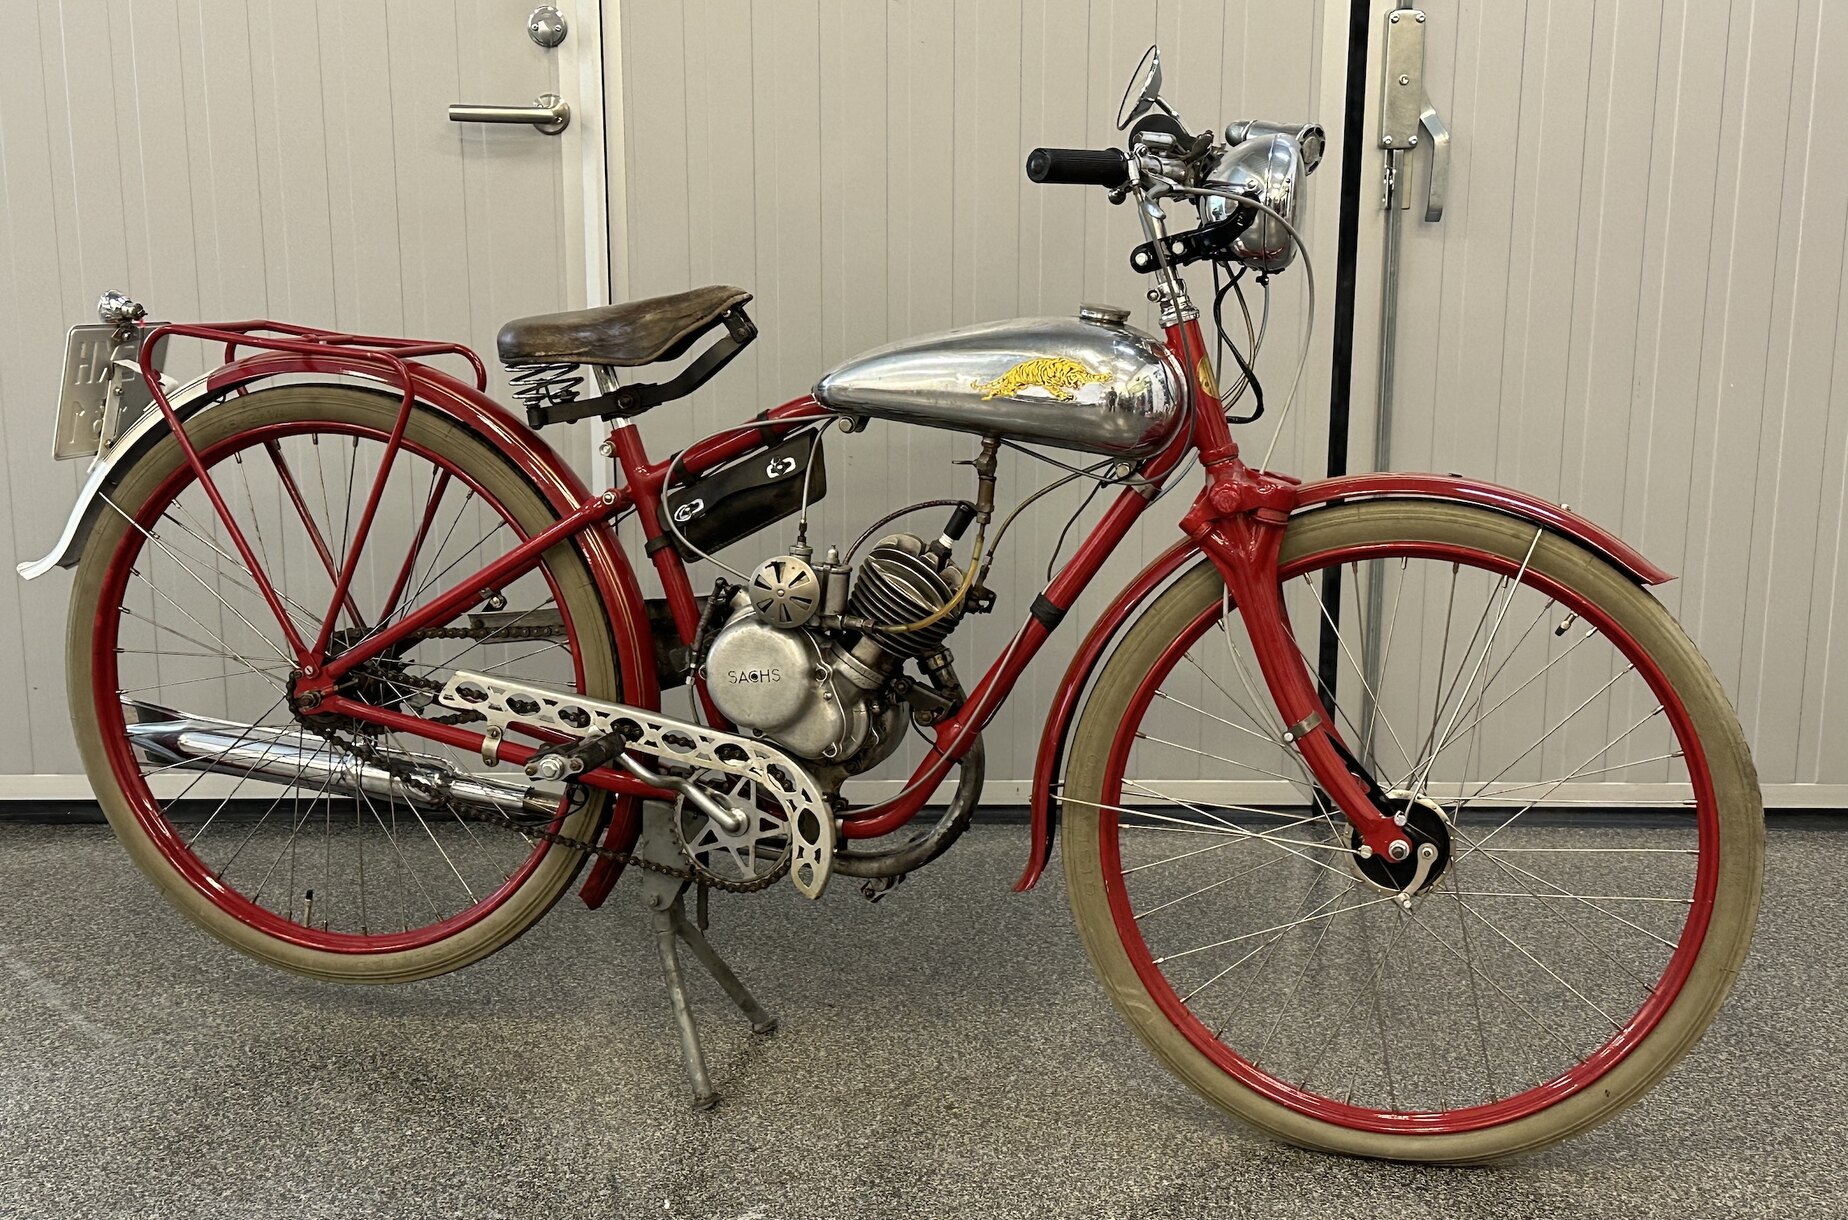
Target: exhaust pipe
(293, 756)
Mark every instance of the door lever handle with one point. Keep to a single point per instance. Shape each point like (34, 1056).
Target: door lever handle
(549, 115)
(1438, 181)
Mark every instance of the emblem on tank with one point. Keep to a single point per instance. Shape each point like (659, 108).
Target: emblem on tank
(1058, 377)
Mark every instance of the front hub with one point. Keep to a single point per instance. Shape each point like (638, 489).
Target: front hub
(1428, 828)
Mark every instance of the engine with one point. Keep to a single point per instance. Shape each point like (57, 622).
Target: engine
(807, 655)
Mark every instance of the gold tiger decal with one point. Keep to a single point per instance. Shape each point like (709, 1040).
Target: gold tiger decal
(1059, 376)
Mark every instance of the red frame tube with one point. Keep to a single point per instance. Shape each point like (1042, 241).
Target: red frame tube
(477, 588)
(510, 751)
(344, 581)
(431, 502)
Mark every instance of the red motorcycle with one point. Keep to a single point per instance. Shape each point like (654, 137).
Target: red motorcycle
(362, 676)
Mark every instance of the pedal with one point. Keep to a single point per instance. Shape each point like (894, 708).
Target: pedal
(811, 822)
(563, 762)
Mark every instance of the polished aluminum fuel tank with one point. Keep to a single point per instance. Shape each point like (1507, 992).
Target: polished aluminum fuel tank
(1091, 383)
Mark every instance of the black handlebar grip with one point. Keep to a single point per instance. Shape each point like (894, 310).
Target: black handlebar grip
(1079, 166)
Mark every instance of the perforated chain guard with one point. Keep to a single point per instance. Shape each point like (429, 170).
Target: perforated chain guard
(811, 822)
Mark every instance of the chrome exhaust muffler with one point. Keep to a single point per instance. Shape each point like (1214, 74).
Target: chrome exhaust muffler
(293, 756)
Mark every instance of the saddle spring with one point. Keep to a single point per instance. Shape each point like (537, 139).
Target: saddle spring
(539, 386)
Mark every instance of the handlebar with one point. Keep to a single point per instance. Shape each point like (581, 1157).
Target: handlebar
(1079, 166)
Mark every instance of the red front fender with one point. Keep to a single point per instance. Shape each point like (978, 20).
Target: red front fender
(1311, 496)
(1561, 521)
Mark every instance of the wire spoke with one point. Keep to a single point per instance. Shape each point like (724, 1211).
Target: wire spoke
(1293, 923)
(1268, 836)
(202, 582)
(1230, 762)
(1548, 970)
(1210, 886)
(1512, 868)
(1564, 779)
(1278, 933)
(1250, 732)
(1378, 712)
(302, 616)
(227, 654)
(1488, 650)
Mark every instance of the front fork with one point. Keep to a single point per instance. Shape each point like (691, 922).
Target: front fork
(1238, 520)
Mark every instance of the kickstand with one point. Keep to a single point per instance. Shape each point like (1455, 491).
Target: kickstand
(671, 925)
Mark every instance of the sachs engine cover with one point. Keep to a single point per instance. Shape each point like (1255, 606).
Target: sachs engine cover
(779, 683)
(1095, 385)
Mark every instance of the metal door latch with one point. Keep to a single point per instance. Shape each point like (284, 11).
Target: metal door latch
(1406, 111)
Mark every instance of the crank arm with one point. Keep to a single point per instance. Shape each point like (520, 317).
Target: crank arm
(715, 807)
(811, 822)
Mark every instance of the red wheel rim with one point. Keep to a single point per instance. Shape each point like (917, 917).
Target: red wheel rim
(1424, 1122)
(147, 809)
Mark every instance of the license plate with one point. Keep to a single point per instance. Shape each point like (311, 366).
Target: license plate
(102, 392)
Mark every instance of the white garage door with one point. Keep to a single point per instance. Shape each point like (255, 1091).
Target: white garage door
(1630, 305)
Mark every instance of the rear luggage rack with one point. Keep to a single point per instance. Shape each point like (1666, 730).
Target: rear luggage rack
(393, 357)
(391, 354)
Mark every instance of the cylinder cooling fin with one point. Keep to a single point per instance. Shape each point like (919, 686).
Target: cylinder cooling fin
(897, 585)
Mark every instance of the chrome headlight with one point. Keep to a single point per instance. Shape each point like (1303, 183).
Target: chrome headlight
(1266, 164)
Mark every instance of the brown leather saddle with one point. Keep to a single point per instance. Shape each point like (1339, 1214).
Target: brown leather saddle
(628, 335)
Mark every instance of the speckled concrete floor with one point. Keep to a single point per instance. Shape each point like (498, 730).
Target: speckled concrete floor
(946, 1053)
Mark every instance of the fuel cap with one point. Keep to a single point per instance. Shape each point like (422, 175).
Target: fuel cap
(1103, 315)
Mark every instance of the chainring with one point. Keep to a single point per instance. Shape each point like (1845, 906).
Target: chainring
(753, 858)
